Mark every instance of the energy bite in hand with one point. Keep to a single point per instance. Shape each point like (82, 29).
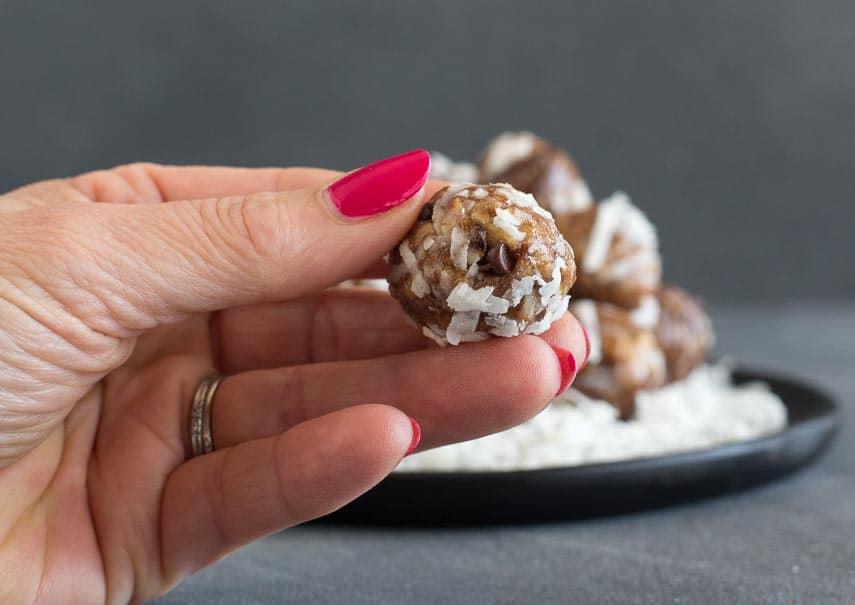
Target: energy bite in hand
(482, 260)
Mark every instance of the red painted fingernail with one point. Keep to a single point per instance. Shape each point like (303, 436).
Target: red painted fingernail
(587, 348)
(568, 367)
(417, 436)
(381, 186)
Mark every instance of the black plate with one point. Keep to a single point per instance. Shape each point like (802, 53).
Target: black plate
(455, 498)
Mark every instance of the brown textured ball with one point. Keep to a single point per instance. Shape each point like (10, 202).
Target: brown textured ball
(482, 260)
(625, 358)
(617, 252)
(684, 331)
(533, 165)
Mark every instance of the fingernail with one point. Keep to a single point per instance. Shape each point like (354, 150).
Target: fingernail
(587, 349)
(568, 367)
(417, 436)
(381, 186)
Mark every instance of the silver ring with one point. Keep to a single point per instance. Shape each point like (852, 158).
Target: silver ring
(201, 439)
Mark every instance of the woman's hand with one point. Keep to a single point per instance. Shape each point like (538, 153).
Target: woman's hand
(117, 296)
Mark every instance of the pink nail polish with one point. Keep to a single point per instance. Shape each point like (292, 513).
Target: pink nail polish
(587, 349)
(568, 367)
(417, 437)
(381, 186)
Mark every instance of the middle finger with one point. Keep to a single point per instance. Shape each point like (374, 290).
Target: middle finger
(455, 393)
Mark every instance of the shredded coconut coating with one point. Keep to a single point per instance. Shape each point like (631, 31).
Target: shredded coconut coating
(617, 251)
(534, 165)
(625, 357)
(444, 168)
(683, 330)
(483, 260)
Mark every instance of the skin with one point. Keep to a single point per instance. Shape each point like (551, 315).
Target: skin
(117, 296)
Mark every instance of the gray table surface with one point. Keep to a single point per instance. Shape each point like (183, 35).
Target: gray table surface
(789, 542)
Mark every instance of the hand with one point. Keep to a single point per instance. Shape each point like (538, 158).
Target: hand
(117, 298)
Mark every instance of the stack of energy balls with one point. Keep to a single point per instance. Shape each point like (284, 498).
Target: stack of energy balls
(643, 334)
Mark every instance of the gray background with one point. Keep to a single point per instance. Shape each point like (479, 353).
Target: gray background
(730, 123)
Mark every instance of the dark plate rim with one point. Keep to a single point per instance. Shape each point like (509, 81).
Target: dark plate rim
(487, 498)
(829, 415)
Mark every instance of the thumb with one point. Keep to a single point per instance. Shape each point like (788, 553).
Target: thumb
(181, 257)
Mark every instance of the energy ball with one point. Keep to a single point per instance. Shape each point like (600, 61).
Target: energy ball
(533, 165)
(482, 260)
(625, 357)
(684, 331)
(617, 251)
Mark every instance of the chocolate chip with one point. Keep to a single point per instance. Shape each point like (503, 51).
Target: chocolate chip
(479, 240)
(499, 259)
(427, 212)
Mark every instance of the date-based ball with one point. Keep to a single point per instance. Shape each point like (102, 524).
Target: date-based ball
(617, 251)
(684, 331)
(482, 260)
(532, 164)
(624, 359)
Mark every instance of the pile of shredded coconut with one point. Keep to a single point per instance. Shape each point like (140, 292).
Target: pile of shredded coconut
(701, 411)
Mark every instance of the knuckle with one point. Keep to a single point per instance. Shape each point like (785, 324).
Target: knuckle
(137, 167)
(125, 184)
(259, 218)
(292, 398)
(263, 225)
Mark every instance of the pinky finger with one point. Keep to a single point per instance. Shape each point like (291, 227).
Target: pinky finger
(218, 502)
